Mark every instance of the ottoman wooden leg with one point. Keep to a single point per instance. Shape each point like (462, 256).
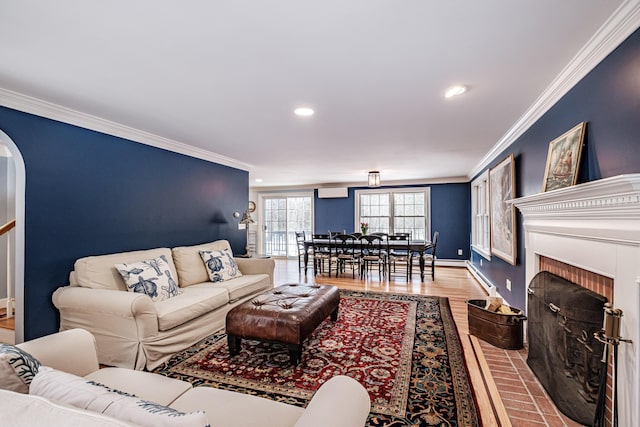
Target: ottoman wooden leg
(295, 353)
(334, 314)
(234, 344)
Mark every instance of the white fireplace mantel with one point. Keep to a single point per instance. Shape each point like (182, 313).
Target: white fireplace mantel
(595, 226)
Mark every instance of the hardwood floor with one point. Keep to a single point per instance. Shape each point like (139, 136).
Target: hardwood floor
(455, 283)
(7, 327)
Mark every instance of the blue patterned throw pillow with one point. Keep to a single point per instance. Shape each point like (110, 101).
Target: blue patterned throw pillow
(220, 265)
(152, 277)
(17, 368)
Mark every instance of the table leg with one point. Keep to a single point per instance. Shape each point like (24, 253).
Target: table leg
(306, 260)
(422, 266)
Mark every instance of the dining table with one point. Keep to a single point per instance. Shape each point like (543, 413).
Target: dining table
(415, 246)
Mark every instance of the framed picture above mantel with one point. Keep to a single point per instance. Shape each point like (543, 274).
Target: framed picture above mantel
(503, 216)
(563, 159)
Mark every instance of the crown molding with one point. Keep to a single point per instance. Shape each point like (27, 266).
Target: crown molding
(624, 21)
(39, 107)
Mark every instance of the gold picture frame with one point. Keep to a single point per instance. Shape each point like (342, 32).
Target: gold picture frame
(563, 159)
(502, 187)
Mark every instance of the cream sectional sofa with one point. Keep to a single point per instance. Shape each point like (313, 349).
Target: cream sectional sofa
(131, 330)
(340, 402)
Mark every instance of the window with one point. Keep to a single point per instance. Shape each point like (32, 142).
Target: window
(283, 216)
(395, 211)
(480, 233)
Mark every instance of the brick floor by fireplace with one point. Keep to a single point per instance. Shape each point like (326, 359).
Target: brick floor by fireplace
(524, 398)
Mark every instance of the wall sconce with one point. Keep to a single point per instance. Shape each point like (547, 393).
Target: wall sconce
(374, 179)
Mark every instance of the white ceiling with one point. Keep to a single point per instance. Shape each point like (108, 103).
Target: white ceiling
(225, 76)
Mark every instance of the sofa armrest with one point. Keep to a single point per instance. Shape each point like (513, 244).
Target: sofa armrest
(72, 351)
(340, 402)
(104, 304)
(257, 266)
(118, 320)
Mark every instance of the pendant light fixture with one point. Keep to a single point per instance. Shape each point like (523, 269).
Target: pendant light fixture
(374, 179)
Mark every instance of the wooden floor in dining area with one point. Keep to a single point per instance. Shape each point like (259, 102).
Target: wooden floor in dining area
(494, 406)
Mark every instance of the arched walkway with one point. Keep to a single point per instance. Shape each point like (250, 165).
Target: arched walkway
(18, 267)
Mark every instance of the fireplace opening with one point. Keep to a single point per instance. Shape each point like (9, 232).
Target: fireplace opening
(563, 352)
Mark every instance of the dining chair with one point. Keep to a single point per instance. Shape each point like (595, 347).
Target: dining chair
(322, 252)
(300, 238)
(399, 254)
(373, 252)
(347, 253)
(431, 256)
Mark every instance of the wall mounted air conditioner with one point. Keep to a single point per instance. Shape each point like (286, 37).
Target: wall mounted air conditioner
(333, 193)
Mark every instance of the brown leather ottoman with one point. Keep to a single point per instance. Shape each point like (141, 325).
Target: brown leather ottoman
(286, 314)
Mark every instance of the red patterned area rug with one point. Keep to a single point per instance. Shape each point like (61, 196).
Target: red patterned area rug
(404, 349)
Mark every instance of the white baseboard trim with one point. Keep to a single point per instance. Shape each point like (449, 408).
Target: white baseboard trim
(451, 263)
(484, 282)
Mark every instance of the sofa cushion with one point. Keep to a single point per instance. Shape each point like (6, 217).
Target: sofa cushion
(240, 287)
(17, 368)
(65, 388)
(151, 277)
(23, 410)
(147, 386)
(220, 265)
(232, 409)
(99, 272)
(190, 304)
(191, 270)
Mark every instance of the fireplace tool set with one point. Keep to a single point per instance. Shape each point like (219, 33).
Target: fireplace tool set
(609, 335)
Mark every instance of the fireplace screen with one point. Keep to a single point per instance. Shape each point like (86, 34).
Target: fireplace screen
(563, 353)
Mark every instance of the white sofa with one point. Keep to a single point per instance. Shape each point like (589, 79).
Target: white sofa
(340, 402)
(131, 330)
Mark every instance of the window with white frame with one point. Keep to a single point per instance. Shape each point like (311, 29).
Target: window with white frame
(480, 228)
(393, 211)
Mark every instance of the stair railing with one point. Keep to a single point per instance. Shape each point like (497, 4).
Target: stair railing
(3, 230)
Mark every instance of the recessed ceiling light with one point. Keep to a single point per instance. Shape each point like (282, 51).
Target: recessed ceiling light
(258, 179)
(455, 91)
(303, 111)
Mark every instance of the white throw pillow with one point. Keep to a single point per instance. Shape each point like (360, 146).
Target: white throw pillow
(64, 388)
(17, 368)
(152, 277)
(220, 265)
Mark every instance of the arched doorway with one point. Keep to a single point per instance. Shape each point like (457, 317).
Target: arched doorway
(17, 246)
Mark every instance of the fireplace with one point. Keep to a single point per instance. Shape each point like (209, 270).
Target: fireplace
(563, 351)
(594, 228)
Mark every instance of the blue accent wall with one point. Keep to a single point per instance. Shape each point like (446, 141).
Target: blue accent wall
(608, 99)
(334, 214)
(450, 212)
(88, 193)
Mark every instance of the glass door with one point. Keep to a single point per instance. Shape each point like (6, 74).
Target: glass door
(283, 217)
